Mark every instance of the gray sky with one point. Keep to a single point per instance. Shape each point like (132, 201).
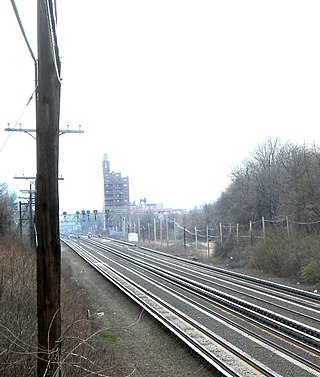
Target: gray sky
(176, 92)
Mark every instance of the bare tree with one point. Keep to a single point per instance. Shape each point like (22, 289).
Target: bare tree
(8, 206)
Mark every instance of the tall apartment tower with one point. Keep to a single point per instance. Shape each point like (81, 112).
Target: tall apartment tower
(116, 188)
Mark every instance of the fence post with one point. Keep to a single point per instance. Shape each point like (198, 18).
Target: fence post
(237, 235)
(155, 230)
(196, 236)
(263, 229)
(288, 229)
(167, 230)
(220, 226)
(184, 239)
(161, 232)
(250, 230)
(208, 248)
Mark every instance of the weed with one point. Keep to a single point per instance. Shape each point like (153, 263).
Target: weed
(107, 336)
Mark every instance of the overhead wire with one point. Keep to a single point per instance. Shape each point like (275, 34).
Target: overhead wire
(52, 21)
(18, 120)
(35, 62)
(22, 30)
(51, 15)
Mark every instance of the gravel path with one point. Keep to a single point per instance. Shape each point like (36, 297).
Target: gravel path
(144, 347)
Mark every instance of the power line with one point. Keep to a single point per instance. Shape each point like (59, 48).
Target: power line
(35, 63)
(22, 30)
(51, 15)
(29, 100)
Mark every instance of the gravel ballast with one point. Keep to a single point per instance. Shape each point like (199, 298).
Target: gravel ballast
(144, 347)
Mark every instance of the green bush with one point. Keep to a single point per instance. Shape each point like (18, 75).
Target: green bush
(310, 273)
(283, 256)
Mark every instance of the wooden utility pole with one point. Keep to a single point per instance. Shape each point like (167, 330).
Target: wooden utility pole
(47, 198)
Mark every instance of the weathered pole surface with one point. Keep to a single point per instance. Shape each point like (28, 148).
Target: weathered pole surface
(47, 197)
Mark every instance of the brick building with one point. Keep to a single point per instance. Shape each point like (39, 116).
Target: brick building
(116, 188)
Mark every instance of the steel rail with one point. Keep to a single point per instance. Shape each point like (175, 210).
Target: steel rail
(200, 294)
(253, 368)
(247, 278)
(210, 277)
(293, 328)
(289, 353)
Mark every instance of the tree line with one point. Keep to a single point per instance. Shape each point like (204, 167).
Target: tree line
(278, 181)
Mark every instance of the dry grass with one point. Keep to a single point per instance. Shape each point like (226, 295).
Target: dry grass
(83, 352)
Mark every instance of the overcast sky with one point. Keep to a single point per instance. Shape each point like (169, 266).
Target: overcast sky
(176, 92)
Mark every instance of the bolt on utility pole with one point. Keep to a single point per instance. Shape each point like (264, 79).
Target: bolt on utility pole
(47, 197)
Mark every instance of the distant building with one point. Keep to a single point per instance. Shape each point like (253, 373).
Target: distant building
(145, 207)
(116, 188)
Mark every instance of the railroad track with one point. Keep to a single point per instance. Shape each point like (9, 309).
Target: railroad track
(235, 334)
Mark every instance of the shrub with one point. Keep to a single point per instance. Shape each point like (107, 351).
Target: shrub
(310, 273)
(224, 250)
(84, 347)
(282, 256)
(18, 329)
